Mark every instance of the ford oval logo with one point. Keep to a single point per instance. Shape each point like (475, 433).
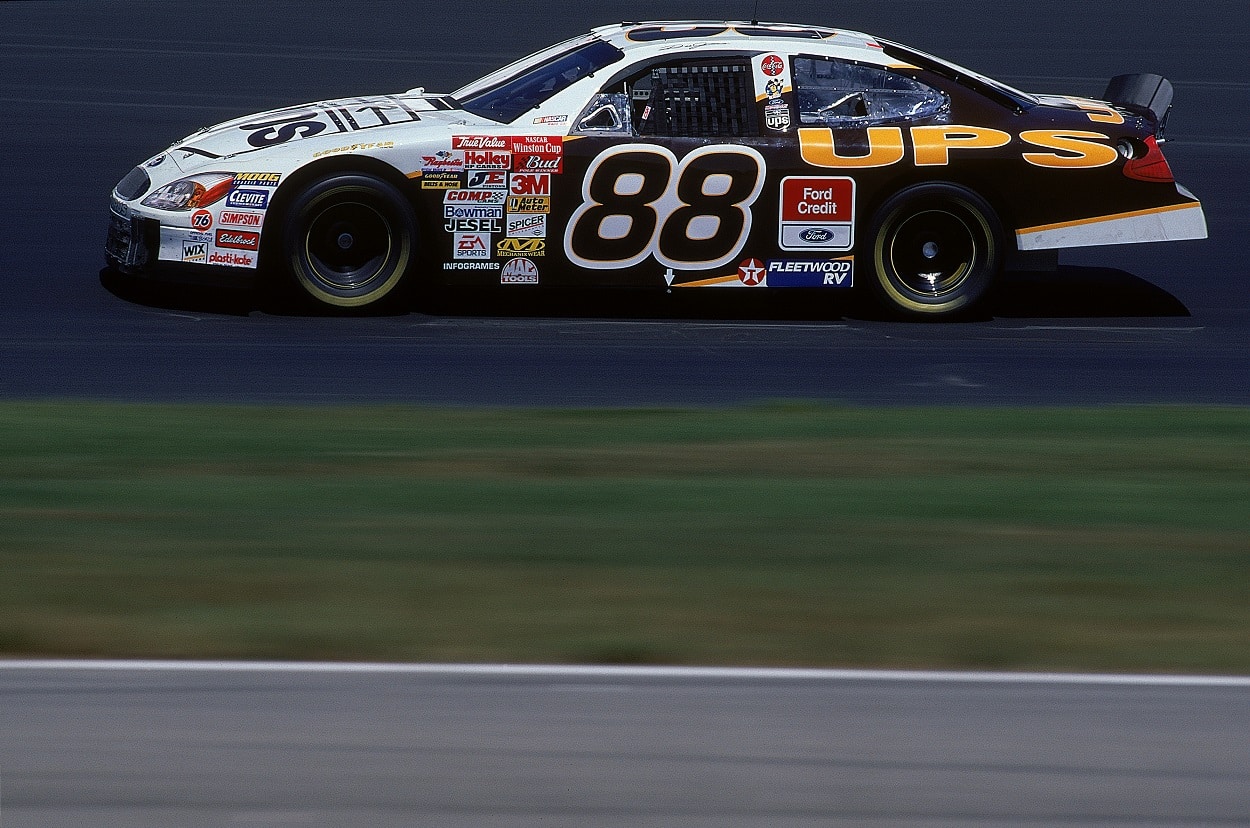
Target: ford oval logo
(816, 234)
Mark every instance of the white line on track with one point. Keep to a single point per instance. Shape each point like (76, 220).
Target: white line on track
(624, 672)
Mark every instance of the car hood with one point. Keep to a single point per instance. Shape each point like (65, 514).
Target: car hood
(345, 120)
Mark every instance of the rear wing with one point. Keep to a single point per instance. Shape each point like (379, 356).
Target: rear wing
(1144, 94)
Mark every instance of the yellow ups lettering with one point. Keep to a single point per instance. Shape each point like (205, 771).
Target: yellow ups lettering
(934, 143)
(1080, 148)
(885, 147)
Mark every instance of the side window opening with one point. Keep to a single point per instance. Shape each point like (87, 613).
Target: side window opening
(696, 99)
(841, 93)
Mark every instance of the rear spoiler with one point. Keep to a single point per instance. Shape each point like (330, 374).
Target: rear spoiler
(1144, 94)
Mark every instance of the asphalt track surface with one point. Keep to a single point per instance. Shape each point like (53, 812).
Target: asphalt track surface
(91, 88)
(215, 745)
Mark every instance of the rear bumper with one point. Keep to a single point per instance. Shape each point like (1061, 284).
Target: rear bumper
(1174, 222)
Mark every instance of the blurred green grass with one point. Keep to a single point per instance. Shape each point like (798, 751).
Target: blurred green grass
(790, 533)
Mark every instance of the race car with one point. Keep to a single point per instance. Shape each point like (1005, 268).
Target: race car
(667, 156)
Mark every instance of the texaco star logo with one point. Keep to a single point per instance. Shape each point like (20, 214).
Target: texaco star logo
(773, 65)
(751, 272)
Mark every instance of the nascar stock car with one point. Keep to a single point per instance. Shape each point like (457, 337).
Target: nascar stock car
(667, 156)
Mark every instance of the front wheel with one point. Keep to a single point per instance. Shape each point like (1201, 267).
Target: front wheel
(348, 240)
(936, 249)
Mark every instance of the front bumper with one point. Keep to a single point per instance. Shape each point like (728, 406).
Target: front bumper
(132, 248)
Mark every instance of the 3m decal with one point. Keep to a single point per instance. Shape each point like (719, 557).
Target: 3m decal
(817, 213)
(639, 202)
(885, 147)
(530, 184)
(238, 239)
(519, 271)
(471, 246)
(1081, 148)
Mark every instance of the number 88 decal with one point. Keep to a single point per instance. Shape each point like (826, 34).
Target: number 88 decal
(638, 201)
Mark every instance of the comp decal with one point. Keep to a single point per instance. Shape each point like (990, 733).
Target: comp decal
(640, 202)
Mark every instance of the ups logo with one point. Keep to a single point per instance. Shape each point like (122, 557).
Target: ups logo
(521, 247)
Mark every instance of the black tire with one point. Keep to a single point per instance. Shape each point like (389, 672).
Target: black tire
(936, 249)
(349, 240)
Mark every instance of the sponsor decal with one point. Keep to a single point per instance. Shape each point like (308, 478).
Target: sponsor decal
(811, 273)
(474, 225)
(237, 218)
(486, 180)
(348, 115)
(539, 163)
(257, 179)
(238, 239)
(817, 213)
(529, 204)
(552, 119)
(251, 198)
(772, 65)
(777, 116)
(519, 271)
(440, 181)
(480, 142)
(527, 225)
(232, 258)
(442, 161)
(529, 184)
(195, 252)
(538, 144)
(471, 265)
(774, 88)
(479, 211)
(201, 220)
(369, 145)
(474, 197)
(751, 272)
(471, 246)
(521, 247)
(487, 159)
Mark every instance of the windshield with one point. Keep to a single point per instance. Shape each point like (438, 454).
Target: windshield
(955, 72)
(506, 94)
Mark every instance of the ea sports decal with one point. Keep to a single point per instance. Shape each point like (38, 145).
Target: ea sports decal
(816, 213)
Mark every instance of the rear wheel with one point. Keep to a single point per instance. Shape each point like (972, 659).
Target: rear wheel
(349, 240)
(936, 249)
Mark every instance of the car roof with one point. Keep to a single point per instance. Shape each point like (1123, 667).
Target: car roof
(665, 35)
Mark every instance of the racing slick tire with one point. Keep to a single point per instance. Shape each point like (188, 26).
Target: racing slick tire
(936, 249)
(348, 240)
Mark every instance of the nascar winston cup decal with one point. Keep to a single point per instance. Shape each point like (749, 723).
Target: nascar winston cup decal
(817, 213)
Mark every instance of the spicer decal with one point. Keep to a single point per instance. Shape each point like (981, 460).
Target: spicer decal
(817, 213)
